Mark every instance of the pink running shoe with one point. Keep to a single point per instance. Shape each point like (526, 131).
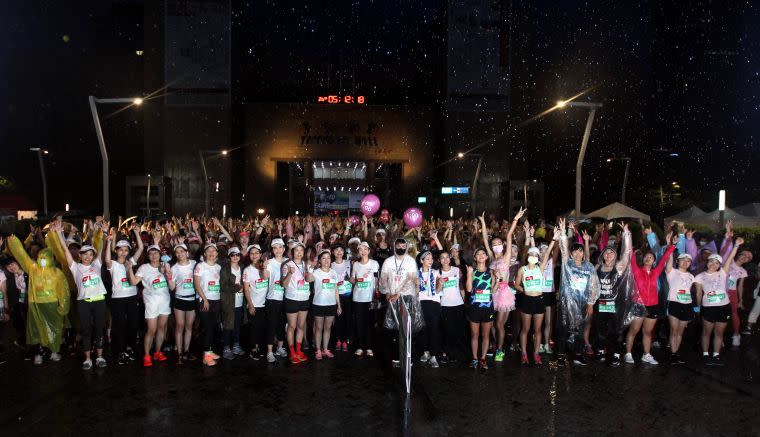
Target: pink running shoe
(328, 354)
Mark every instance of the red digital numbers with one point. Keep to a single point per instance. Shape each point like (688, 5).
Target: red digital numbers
(334, 99)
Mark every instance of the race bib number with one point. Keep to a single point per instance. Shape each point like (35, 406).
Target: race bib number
(187, 284)
(606, 306)
(125, 282)
(158, 283)
(344, 287)
(361, 283)
(327, 285)
(716, 296)
(731, 284)
(90, 281)
(302, 287)
(213, 287)
(278, 286)
(482, 296)
(530, 282)
(683, 296)
(548, 283)
(449, 283)
(262, 284)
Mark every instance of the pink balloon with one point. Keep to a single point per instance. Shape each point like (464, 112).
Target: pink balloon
(354, 220)
(413, 217)
(370, 204)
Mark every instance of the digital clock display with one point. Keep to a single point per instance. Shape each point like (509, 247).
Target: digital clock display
(335, 99)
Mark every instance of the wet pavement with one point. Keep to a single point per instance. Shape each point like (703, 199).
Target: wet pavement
(349, 396)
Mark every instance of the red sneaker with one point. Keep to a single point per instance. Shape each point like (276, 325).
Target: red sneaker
(302, 356)
(159, 356)
(524, 358)
(147, 361)
(294, 359)
(344, 348)
(537, 359)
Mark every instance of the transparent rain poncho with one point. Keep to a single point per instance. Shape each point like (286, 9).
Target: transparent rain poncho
(623, 293)
(579, 287)
(412, 306)
(48, 296)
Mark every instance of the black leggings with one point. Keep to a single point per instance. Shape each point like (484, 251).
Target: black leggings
(258, 322)
(275, 321)
(209, 323)
(124, 323)
(431, 312)
(92, 321)
(607, 334)
(452, 319)
(364, 323)
(232, 336)
(343, 321)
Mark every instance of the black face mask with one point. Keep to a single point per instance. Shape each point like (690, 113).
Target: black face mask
(400, 251)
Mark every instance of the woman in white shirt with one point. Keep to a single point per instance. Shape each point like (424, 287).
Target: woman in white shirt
(296, 278)
(206, 280)
(364, 277)
(716, 307)
(123, 306)
(452, 307)
(91, 298)
(256, 287)
(430, 300)
(185, 301)
(154, 276)
(343, 322)
(326, 303)
(680, 305)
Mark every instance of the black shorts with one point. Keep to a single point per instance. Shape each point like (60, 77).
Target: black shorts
(550, 299)
(719, 314)
(681, 311)
(654, 312)
(519, 300)
(476, 314)
(324, 311)
(184, 305)
(295, 306)
(532, 304)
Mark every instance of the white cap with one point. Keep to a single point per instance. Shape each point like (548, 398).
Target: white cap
(123, 243)
(278, 241)
(364, 243)
(233, 251)
(253, 246)
(380, 231)
(534, 251)
(354, 240)
(180, 246)
(685, 256)
(153, 247)
(334, 236)
(455, 246)
(87, 248)
(715, 257)
(210, 245)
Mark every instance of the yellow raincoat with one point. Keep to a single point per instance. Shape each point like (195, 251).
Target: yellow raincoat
(48, 296)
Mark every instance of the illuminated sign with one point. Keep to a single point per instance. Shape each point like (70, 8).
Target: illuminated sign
(421, 200)
(335, 99)
(455, 190)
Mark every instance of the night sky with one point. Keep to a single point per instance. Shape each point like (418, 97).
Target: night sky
(673, 78)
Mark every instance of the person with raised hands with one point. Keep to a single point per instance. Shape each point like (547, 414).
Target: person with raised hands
(680, 304)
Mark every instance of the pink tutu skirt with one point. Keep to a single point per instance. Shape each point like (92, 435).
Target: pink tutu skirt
(504, 299)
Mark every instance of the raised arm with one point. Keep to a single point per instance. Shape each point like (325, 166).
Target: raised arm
(547, 256)
(626, 249)
(586, 246)
(669, 264)
(62, 240)
(727, 264)
(107, 252)
(728, 243)
(562, 236)
(484, 234)
(512, 227)
(19, 253)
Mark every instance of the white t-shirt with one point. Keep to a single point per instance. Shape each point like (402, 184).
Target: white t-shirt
(366, 278)
(734, 274)
(679, 284)
(428, 284)
(298, 287)
(713, 288)
(153, 281)
(208, 278)
(238, 295)
(183, 281)
(276, 290)
(257, 286)
(88, 280)
(451, 295)
(343, 270)
(325, 285)
(120, 285)
(397, 277)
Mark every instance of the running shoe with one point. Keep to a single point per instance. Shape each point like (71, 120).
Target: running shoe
(294, 359)
(483, 364)
(255, 355)
(87, 365)
(580, 359)
(302, 357)
(717, 361)
(159, 356)
(537, 359)
(213, 355)
(237, 350)
(600, 356)
(615, 360)
(474, 364)
(588, 350)
(55, 357)
(425, 357)
(541, 349)
(370, 353)
(227, 354)
(736, 341)
(344, 348)
(328, 354)
(208, 359)
(548, 348)
(499, 355)
(101, 362)
(270, 357)
(628, 358)
(444, 359)
(561, 360)
(123, 359)
(747, 330)
(147, 361)
(282, 353)
(359, 352)
(524, 359)
(38, 360)
(676, 359)
(318, 355)
(433, 362)
(649, 359)
(187, 356)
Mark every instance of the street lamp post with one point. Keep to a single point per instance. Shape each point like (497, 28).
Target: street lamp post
(40, 152)
(136, 101)
(202, 154)
(627, 161)
(592, 107)
(474, 186)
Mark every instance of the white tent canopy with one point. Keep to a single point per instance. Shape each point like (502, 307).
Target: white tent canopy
(617, 210)
(712, 219)
(686, 215)
(749, 210)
